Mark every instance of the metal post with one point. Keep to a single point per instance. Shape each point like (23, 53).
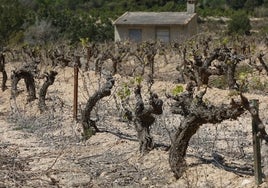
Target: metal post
(256, 143)
(76, 64)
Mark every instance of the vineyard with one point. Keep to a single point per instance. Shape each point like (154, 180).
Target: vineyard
(148, 115)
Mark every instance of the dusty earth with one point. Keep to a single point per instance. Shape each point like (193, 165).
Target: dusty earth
(47, 150)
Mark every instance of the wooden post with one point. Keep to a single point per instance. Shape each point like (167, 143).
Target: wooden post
(76, 64)
(256, 143)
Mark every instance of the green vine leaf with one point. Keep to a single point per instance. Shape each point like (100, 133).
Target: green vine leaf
(84, 41)
(242, 76)
(225, 41)
(124, 92)
(138, 79)
(177, 90)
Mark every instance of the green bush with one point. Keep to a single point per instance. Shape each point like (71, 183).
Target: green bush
(265, 3)
(12, 16)
(239, 24)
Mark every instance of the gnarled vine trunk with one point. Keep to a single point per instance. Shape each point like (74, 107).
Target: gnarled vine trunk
(143, 118)
(89, 126)
(99, 61)
(231, 67)
(2, 69)
(201, 69)
(116, 62)
(117, 56)
(26, 72)
(179, 145)
(260, 57)
(249, 105)
(196, 113)
(50, 78)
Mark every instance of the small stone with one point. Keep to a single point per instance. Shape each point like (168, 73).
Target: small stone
(245, 182)
(103, 174)
(144, 179)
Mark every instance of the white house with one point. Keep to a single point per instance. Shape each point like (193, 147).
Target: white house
(163, 26)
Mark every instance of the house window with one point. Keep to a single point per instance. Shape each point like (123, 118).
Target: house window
(135, 35)
(162, 34)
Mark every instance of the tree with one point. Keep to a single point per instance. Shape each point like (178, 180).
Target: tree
(265, 2)
(12, 17)
(236, 4)
(239, 24)
(40, 33)
(250, 5)
(212, 3)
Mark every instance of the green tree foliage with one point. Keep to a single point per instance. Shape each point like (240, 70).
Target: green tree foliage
(265, 2)
(12, 18)
(93, 18)
(213, 8)
(259, 2)
(212, 3)
(72, 22)
(251, 4)
(75, 19)
(236, 4)
(239, 24)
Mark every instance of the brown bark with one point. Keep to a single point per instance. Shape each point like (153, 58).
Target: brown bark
(231, 67)
(117, 56)
(116, 62)
(91, 50)
(203, 70)
(89, 126)
(50, 78)
(196, 113)
(260, 57)
(230, 61)
(99, 61)
(60, 56)
(255, 118)
(143, 118)
(200, 69)
(4, 87)
(150, 52)
(26, 72)
(2, 69)
(89, 55)
(98, 65)
(147, 51)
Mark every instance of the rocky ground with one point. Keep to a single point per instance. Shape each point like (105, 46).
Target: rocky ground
(47, 150)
